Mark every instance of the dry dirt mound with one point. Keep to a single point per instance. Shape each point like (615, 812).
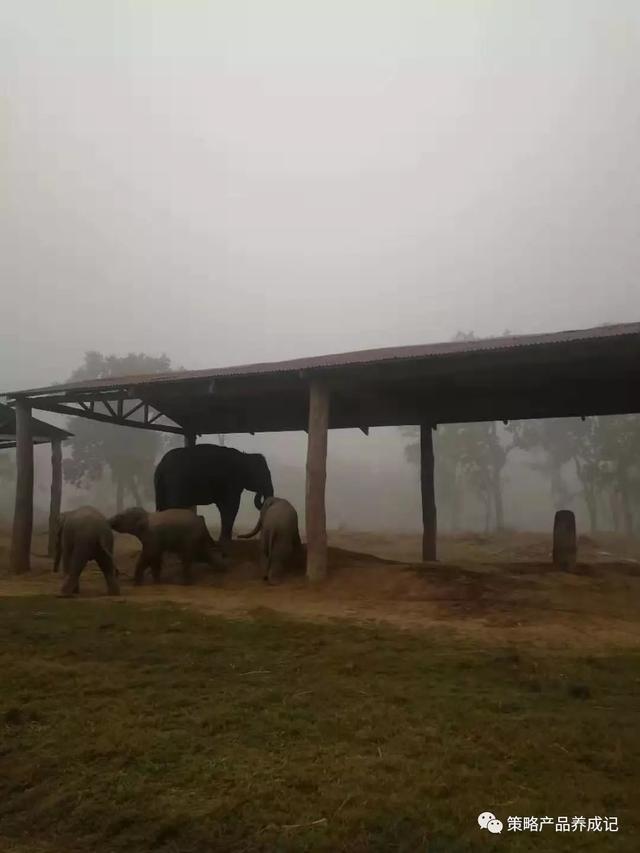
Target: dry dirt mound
(507, 600)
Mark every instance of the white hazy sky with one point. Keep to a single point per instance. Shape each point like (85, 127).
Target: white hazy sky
(233, 181)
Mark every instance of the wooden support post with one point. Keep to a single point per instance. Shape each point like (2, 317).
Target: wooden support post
(429, 513)
(316, 521)
(56, 494)
(190, 441)
(564, 540)
(23, 512)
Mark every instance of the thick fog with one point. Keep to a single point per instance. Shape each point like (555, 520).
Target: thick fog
(236, 181)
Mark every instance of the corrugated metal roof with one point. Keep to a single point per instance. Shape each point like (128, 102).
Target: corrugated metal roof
(348, 359)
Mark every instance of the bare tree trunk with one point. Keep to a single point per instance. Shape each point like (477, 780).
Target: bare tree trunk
(119, 493)
(133, 488)
(592, 510)
(456, 503)
(627, 515)
(614, 504)
(497, 501)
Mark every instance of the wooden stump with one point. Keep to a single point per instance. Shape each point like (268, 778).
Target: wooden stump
(564, 540)
(316, 521)
(429, 512)
(56, 494)
(23, 512)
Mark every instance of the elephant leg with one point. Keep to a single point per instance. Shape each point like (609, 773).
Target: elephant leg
(264, 557)
(228, 512)
(213, 558)
(141, 565)
(275, 569)
(278, 558)
(187, 560)
(67, 556)
(71, 583)
(156, 567)
(105, 561)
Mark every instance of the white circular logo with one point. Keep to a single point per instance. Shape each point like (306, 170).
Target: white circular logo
(484, 818)
(495, 826)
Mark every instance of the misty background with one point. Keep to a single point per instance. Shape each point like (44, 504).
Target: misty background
(237, 181)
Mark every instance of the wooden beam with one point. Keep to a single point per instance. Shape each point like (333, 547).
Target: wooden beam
(96, 416)
(133, 410)
(316, 521)
(56, 494)
(429, 513)
(23, 512)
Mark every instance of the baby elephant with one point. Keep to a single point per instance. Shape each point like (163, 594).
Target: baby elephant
(279, 536)
(84, 534)
(178, 531)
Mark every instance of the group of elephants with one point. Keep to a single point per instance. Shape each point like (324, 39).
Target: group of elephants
(184, 478)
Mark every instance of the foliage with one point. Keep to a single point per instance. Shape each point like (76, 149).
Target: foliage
(129, 454)
(7, 466)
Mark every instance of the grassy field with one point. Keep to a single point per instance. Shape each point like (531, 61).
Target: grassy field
(131, 728)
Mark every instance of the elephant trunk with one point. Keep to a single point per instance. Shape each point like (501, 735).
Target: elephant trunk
(266, 491)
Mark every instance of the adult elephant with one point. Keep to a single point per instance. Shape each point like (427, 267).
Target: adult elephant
(210, 474)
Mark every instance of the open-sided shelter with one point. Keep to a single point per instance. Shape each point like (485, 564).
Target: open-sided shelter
(573, 373)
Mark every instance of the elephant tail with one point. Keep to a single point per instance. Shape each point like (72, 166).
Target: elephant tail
(255, 530)
(107, 550)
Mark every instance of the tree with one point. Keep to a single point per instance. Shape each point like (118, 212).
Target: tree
(617, 448)
(7, 466)
(129, 454)
(546, 436)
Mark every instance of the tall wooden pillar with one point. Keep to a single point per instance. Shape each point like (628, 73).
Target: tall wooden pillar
(190, 441)
(316, 520)
(429, 513)
(23, 512)
(56, 493)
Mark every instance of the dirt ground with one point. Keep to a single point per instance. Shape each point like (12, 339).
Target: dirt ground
(500, 587)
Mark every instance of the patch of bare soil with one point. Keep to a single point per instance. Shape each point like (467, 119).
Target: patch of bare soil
(500, 588)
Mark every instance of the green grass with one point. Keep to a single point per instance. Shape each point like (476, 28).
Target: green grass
(127, 728)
